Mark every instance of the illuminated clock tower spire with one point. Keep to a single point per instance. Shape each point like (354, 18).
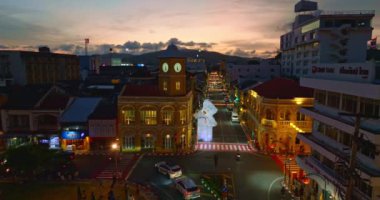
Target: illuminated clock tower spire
(172, 72)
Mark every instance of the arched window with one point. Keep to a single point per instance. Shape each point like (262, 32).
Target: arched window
(168, 141)
(148, 116)
(182, 116)
(301, 117)
(287, 115)
(167, 116)
(128, 115)
(269, 114)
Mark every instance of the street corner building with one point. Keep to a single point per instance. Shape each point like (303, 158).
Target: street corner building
(158, 117)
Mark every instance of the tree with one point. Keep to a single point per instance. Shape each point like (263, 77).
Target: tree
(31, 160)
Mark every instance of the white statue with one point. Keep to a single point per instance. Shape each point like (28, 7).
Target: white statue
(206, 121)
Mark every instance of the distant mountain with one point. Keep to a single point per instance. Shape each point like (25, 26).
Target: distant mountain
(210, 57)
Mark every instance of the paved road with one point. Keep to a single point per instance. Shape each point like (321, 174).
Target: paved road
(252, 175)
(227, 131)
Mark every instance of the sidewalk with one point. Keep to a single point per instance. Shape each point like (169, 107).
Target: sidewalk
(140, 192)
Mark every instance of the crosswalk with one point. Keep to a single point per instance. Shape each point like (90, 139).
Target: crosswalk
(224, 147)
(123, 164)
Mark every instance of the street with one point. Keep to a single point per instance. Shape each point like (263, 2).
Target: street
(252, 175)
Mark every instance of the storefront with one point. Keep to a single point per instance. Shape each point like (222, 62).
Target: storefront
(75, 140)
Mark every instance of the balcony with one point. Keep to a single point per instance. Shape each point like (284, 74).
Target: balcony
(306, 126)
(269, 123)
(334, 150)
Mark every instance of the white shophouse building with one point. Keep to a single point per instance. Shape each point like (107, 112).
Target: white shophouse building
(323, 36)
(343, 88)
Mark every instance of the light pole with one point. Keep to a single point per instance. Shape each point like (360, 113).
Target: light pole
(115, 147)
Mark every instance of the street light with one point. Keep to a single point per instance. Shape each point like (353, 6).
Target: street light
(115, 148)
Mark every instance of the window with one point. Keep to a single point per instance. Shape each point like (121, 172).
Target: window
(18, 121)
(301, 117)
(129, 116)
(177, 85)
(320, 126)
(333, 99)
(147, 141)
(149, 117)
(269, 114)
(129, 142)
(282, 116)
(183, 141)
(165, 86)
(332, 132)
(349, 103)
(345, 138)
(167, 142)
(182, 116)
(320, 96)
(368, 148)
(369, 107)
(316, 154)
(167, 116)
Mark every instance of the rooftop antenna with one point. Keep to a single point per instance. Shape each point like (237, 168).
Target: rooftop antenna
(86, 42)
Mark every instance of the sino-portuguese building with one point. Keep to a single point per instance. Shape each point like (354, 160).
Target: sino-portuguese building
(158, 117)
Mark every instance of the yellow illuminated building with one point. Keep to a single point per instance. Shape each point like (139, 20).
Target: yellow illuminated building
(158, 117)
(270, 111)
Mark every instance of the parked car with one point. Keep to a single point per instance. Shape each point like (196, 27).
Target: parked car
(234, 117)
(188, 188)
(172, 171)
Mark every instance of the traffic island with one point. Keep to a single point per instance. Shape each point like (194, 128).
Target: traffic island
(219, 186)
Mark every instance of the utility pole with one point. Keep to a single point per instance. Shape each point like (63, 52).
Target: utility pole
(354, 150)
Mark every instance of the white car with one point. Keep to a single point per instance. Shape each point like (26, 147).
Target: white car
(234, 117)
(171, 171)
(188, 188)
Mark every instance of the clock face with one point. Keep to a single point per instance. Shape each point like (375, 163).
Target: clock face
(177, 67)
(165, 67)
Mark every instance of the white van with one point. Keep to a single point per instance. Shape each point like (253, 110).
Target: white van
(234, 117)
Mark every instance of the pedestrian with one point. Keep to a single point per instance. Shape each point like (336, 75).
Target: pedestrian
(92, 196)
(79, 193)
(113, 179)
(84, 195)
(216, 160)
(282, 190)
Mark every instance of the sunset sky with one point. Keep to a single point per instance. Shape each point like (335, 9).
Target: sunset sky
(238, 27)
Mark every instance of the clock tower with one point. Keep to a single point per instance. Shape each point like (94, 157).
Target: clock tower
(172, 72)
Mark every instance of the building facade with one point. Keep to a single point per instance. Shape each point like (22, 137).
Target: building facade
(341, 92)
(33, 117)
(271, 113)
(321, 36)
(266, 69)
(158, 117)
(24, 67)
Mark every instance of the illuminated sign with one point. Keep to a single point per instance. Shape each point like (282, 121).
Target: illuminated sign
(54, 142)
(342, 70)
(311, 26)
(73, 135)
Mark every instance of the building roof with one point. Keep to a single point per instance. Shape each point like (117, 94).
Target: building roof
(142, 90)
(80, 109)
(282, 88)
(171, 52)
(26, 97)
(104, 111)
(54, 101)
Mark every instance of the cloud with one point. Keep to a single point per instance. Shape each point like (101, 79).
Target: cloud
(242, 53)
(132, 47)
(4, 46)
